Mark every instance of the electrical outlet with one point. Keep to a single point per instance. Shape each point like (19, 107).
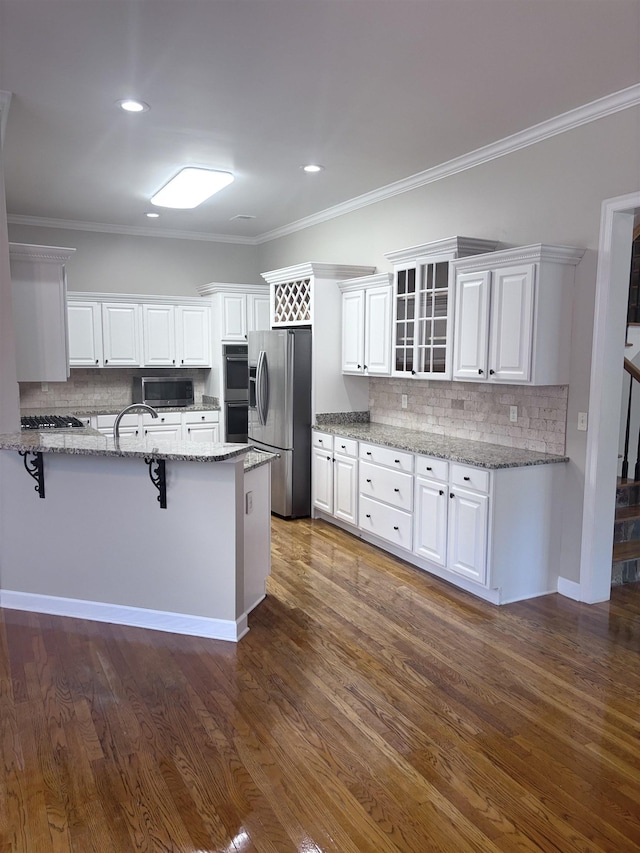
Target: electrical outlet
(403, 401)
(582, 421)
(513, 414)
(249, 503)
(44, 386)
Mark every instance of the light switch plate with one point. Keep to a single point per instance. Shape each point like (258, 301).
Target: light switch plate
(582, 421)
(513, 414)
(404, 401)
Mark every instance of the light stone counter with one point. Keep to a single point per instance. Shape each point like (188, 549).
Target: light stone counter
(478, 453)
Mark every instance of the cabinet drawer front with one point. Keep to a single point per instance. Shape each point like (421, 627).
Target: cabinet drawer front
(168, 418)
(193, 418)
(345, 446)
(107, 421)
(388, 523)
(469, 477)
(400, 460)
(392, 487)
(435, 469)
(323, 440)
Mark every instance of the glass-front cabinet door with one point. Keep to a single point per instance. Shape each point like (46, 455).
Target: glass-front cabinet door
(423, 305)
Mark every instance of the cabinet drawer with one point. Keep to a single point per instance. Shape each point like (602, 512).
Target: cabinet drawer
(383, 484)
(398, 459)
(168, 418)
(107, 421)
(469, 477)
(192, 418)
(435, 469)
(387, 522)
(322, 439)
(345, 446)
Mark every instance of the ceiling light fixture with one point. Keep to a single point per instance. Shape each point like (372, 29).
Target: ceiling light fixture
(129, 105)
(190, 187)
(312, 168)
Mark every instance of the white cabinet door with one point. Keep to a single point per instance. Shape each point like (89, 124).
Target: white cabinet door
(159, 335)
(511, 324)
(121, 333)
(377, 331)
(467, 540)
(193, 336)
(85, 334)
(353, 306)
(471, 333)
(203, 432)
(430, 521)
(233, 316)
(323, 480)
(345, 488)
(258, 312)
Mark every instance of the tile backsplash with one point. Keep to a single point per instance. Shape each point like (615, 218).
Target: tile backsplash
(89, 388)
(474, 411)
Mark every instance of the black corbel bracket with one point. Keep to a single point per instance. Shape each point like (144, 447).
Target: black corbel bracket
(159, 480)
(34, 468)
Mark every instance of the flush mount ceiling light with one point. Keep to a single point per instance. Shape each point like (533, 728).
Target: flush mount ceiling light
(190, 187)
(130, 105)
(312, 168)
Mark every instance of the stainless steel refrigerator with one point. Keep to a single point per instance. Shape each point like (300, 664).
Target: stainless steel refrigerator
(280, 414)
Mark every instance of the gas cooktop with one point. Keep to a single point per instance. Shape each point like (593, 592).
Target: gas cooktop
(50, 422)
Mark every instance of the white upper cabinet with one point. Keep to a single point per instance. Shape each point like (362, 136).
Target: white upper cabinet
(193, 336)
(39, 294)
(85, 334)
(366, 325)
(423, 305)
(513, 315)
(121, 334)
(237, 310)
(159, 335)
(233, 316)
(132, 332)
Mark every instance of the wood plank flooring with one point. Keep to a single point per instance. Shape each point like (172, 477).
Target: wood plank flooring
(370, 708)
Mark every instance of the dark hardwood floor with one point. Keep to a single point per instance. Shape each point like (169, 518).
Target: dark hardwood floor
(370, 708)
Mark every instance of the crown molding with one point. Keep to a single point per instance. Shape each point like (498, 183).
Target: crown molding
(214, 287)
(379, 280)
(39, 254)
(134, 298)
(448, 246)
(600, 108)
(5, 101)
(537, 252)
(127, 230)
(301, 271)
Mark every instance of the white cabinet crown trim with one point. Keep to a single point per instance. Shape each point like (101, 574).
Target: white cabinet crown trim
(299, 271)
(39, 254)
(135, 298)
(366, 281)
(214, 287)
(538, 252)
(456, 245)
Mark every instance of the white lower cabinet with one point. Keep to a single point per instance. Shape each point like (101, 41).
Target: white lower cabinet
(201, 426)
(495, 533)
(335, 476)
(191, 426)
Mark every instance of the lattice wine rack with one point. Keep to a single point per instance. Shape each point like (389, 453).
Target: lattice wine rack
(292, 302)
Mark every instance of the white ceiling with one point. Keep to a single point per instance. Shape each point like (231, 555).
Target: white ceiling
(375, 90)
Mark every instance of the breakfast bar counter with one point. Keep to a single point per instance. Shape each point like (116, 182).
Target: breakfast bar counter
(152, 532)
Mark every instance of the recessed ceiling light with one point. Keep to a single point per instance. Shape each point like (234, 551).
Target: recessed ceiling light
(129, 105)
(190, 187)
(312, 167)
(152, 215)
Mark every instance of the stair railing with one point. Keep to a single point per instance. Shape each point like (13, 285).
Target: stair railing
(634, 376)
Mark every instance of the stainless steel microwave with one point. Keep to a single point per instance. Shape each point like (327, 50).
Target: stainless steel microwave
(159, 391)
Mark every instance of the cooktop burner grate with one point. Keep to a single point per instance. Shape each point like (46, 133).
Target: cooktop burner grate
(50, 422)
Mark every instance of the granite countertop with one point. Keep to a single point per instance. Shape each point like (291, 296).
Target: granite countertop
(478, 453)
(89, 442)
(256, 458)
(80, 412)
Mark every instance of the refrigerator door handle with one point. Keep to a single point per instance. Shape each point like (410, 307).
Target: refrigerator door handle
(262, 388)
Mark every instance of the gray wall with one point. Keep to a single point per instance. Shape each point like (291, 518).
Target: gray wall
(115, 263)
(550, 192)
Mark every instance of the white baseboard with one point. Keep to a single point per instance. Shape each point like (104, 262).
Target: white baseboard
(568, 588)
(118, 614)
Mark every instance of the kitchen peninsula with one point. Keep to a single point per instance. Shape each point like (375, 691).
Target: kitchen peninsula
(171, 535)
